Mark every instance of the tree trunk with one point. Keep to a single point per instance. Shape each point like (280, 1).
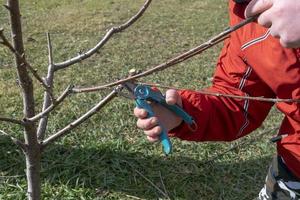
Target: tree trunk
(33, 166)
(32, 150)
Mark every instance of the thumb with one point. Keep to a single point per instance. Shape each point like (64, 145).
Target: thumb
(256, 7)
(173, 97)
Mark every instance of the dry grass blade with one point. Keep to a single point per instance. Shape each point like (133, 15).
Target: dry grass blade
(148, 180)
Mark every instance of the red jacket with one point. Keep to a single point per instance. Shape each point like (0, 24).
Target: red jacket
(251, 63)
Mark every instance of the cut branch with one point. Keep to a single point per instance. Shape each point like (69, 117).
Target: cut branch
(15, 140)
(14, 121)
(105, 39)
(81, 119)
(178, 59)
(53, 106)
(24, 62)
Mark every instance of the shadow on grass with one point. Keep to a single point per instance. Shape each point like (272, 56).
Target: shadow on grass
(109, 174)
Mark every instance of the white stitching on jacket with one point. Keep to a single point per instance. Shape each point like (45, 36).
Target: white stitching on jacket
(256, 40)
(246, 104)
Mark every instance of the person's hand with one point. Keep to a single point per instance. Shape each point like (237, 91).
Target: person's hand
(162, 115)
(281, 16)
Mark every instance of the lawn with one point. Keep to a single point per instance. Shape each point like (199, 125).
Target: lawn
(108, 157)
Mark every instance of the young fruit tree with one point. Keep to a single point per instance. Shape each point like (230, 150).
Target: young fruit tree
(35, 120)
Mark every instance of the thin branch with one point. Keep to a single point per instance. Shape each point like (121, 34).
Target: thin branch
(6, 43)
(15, 140)
(47, 98)
(265, 99)
(50, 51)
(81, 119)
(14, 121)
(272, 100)
(178, 59)
(105, 39)
(7, 7)
(46, 112)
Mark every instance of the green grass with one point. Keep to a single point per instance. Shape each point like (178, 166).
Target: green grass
(100, 159)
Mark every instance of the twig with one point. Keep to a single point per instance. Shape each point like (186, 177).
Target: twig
(47, 98)
(149, 181)
(265, 99)
(81, 119)
(50, 51)
(6, 43)
(162, 182)
(7, 7)
(15, 140)
(14, 121)
(178, 59)
(105, 39)
(45, 112)
(272, 100)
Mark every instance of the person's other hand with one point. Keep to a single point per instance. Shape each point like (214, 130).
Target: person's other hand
(162, 115)
(281, 16)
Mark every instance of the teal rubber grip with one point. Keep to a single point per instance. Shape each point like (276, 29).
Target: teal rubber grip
(164, 138)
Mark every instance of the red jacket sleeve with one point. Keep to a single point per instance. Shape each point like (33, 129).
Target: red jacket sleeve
(221, 118)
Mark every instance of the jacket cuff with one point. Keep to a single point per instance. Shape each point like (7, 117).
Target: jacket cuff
(191, 102)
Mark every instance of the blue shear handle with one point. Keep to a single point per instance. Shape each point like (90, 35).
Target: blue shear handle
(166, 143)
(179, 112)
(145, 92)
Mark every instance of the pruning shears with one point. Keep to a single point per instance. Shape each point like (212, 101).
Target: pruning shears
(143, 96)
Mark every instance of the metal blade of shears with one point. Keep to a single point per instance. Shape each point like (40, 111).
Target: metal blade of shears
(129, 86)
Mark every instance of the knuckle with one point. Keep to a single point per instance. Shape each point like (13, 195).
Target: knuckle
(146, 124)
(139, 123)
(157, 130)
(154, 121)
(153, 132)
(285, 42)
(152, 139)
(137, 111)
(171, 96)
(279, 11)
(261, 20)
(274, 33)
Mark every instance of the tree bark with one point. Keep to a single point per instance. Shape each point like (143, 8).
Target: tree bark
(32, 150)
(33, 164)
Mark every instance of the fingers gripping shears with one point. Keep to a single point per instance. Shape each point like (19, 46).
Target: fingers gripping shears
(143, 96)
